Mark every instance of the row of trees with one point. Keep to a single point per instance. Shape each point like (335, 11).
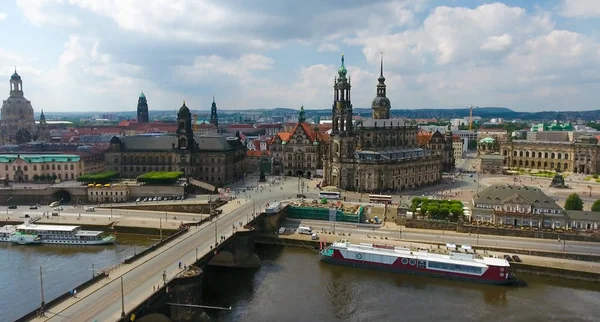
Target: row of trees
(449, 210)
(574, 202)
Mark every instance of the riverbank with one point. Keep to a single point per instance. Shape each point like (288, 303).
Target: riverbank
(537, 265)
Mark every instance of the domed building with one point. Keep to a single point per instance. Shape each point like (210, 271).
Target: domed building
(17, 124)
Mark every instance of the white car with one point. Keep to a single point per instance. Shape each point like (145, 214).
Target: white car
(58, 208)
(138, 199)
(90, 209)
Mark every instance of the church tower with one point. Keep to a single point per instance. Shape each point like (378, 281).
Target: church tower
(449, 162)
(342, 106)
(43, 133)
(381, 104)
(214, 119)
(142, 109)
(185, 133)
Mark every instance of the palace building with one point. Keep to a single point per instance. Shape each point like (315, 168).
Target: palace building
(379, 153)
(213, 159)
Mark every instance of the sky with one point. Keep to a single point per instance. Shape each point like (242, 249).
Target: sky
(90, 55)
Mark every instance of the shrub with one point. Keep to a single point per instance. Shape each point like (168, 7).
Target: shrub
(160, 177)
(98, 177)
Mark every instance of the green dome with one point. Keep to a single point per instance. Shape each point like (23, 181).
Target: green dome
(142, 95)
(487, 140)
(315, 143)
(283, 142)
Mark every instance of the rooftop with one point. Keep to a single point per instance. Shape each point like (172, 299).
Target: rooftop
(503, 194)
(39, 158)
(583, 215)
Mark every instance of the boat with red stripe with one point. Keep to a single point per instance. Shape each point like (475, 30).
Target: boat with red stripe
(437, 263)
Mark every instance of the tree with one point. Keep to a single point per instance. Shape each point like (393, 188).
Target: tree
(36, 177)
(574, 202)
(596, 206)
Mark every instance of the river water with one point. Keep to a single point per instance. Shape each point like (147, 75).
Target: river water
(63, 267)
(293, 285)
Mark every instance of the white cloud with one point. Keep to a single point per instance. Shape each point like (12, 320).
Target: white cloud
(455, 35)
(328, 47)
(580, 8)
(2, 16)
(497, 43)
(46, 12)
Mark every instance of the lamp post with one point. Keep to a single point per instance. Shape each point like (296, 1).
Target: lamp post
(43, 303)
(111, 207)
(7, 201)
(122, 299)
(160, 229)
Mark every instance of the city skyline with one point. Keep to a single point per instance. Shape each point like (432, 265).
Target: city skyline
(88, 56)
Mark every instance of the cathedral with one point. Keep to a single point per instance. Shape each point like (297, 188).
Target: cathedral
(18, 123)
(378, 154)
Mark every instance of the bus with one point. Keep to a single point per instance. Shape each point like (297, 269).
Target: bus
(329, 195)
(380, 199)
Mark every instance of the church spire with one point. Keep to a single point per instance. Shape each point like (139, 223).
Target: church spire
(214, 118)
(381, 104)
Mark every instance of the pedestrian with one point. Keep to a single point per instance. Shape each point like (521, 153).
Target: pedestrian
(75, 293)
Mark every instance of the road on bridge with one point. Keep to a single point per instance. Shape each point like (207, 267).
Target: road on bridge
(102, 301)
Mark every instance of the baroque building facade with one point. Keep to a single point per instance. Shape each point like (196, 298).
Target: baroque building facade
(300, 151)
(380, 153)
(581, 155)
(216, 160)
(18, 123)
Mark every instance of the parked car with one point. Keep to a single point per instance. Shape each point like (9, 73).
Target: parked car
(33, 207)
(159, 198)
(517, 259)
(145, 199)
(178, 198)
(508, 258)
(59, 208)
(138, 199)
(90, 209)
(12, 207)
(55, 214)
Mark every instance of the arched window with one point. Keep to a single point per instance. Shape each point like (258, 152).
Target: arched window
(566, 156)
(546, 155)
(540, 155)
(552, 155)
(521, 153)
(560, 156)
(527, 154)
(514, 153)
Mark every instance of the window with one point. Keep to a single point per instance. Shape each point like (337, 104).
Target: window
(454, 268)
(59, 167)
(71, 167)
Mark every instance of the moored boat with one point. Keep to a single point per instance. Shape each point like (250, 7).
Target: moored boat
(27, 233)
(451, 265)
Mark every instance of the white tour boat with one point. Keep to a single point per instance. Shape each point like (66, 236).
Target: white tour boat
(28, 233)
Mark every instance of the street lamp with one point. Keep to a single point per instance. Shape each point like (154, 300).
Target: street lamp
(7, 201)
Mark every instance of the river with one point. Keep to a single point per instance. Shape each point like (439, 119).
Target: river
(63, 267)
(293, 285)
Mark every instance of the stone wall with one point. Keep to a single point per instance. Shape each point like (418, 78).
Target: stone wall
(269, 223)
(148, 190)
(484, 230)
(430, 224)
(555, 272)
(193, 208)
(237, 252)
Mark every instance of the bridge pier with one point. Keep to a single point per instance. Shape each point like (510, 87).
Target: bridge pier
(187, 289)
(238, 252)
